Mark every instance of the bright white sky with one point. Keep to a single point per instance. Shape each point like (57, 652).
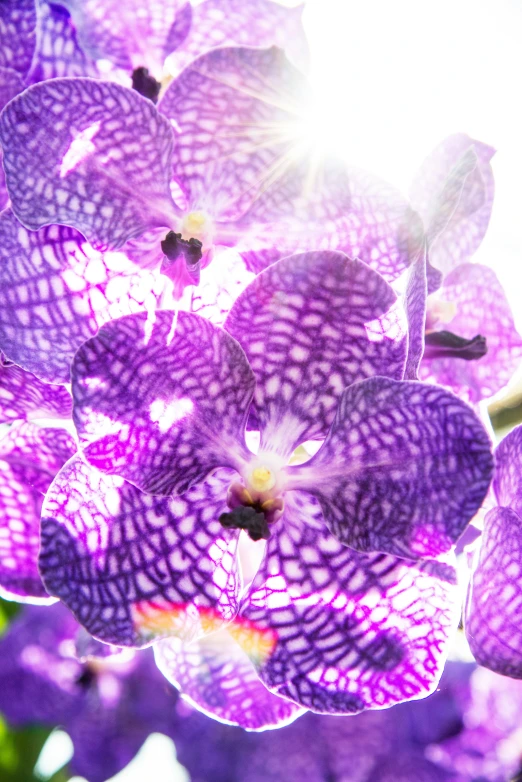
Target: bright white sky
(400, 75)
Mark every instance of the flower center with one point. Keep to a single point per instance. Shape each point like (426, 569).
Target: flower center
(262, 479)
(200, 226)
(255, 506)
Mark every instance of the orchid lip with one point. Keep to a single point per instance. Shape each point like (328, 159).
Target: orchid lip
(445, 344)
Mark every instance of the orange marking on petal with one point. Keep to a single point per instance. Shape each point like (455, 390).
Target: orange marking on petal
(257, 642)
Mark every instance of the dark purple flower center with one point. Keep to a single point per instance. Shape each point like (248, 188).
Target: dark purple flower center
(145, 84)
(250, 518)
(86, 678)
(174, 247)
(445, 344)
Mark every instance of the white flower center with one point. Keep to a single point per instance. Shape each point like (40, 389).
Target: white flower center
(200, 226)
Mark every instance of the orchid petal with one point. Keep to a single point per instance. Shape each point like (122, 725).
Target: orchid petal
(478, 305)
(29, 459)
(162, 403)
(327, 205)
(89, 154)
(243, 23)
(464, 231)
(403, 470)
(134, 568)
(348, 631)
(17, 34)
(507, 482)
(11, 84)
(415, 307)
(311, 325)
(58, 52)
(55, 292)
(23, 395)
(130, 35)
(219, 679)
(492, 623)
(234, 110)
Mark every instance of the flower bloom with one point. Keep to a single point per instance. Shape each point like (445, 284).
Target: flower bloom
(313, 349)
(229, 135)
(472, 349)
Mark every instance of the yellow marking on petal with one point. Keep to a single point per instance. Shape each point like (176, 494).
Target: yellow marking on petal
(155, 619)
(262, 478)
(257, 642)
(200, 226)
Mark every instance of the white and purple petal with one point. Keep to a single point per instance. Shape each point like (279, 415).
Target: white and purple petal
(467, 225)
(403, 470)
(30, 457)
(216, 675)
(17, 34)
(89, 154)
(24, 396)
(234, 112)
(162, 401)
(311, 325)
(56, 291)
(477, 305)
(58, 52)
(507, 481)
(242, 23)
(129, 35)
(415, 297)
(346, 631)
(494, 604)
(135, 568)
(313, 204)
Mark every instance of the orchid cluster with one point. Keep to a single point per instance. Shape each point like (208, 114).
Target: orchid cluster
(242, 389)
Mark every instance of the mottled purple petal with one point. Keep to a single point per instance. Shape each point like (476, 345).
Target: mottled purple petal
(56, 291)
(415, 307)
(507, 482)
(134, 568)
(311, 325)
(231, 110)
(130, 34)
(162, 402)
(493, 626)
(329, 206)
(220, 285)
(477, 304)
(243, 23)
(89, 154)
(11, 83)
(467, 226)
(348, 631)
(23, 395)
(218, 678)
(30, 457)
(17, 34)
(58, 52)
(403, 470)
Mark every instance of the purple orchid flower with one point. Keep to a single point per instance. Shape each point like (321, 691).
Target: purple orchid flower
(141, 35)
(492, 625)
(391, 745)
(108, 706)
(30, 457)
(238, 158)
(319, 341)
(474, 350)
